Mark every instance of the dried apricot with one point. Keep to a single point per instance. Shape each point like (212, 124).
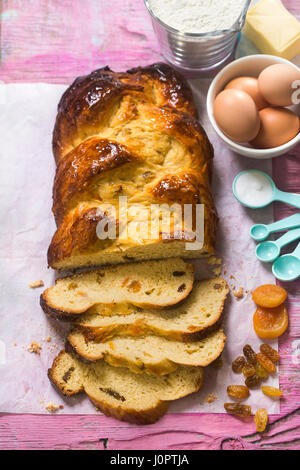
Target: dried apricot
(268, 351)
(237, 409)
(252, 381)
(266, 363)
(238, 364)
(249, 354)
(269, 295)
(261, 371)
(238, 391)
(270, 322)
(261, 420)
(248, 370)
(271, 391)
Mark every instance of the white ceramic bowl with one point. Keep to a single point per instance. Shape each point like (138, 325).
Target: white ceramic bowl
(246, 66)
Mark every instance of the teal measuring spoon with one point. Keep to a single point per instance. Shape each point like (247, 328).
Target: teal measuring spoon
(269, 251)
(275, 193)
(287, 267)
(260, 232)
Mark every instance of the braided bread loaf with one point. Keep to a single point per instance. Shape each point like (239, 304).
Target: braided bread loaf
(131, 134)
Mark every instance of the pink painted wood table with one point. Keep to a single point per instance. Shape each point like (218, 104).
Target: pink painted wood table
(54, 41)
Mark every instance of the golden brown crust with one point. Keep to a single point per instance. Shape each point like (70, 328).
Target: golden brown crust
(109, 120)
(173, 87)
(76, 233)
(84, 104)
(92, 157)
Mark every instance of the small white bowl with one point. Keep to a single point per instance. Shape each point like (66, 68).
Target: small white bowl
(246, 66)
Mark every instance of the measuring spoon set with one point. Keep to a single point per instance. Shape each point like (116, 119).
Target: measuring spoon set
(287, 267)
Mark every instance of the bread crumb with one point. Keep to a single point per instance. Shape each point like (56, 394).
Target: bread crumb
(211, 398)
(232, 277)
(15, 344)
(214, 260)
(239, 294)
(35, 284)
(48, 339)
(53, 408)
(34, 348)
(217, 271)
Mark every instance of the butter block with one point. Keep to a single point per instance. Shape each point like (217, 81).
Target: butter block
(273, 29)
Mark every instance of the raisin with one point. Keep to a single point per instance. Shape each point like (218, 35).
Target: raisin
(269, 352)
(181, 288)
(249, 354)
(253, 381)
(248, 370)
(238, 391)
(261, 371)
(238, 410)
(238, 364)
(178, 273)
(266, 363)
(261, 420)
(271, 391)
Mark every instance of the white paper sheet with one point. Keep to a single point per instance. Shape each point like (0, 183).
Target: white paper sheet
(26, 225)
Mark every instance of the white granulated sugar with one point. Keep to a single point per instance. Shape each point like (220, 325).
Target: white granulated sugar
(198, 16)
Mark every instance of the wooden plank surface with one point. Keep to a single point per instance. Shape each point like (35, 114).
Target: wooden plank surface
(54, 41)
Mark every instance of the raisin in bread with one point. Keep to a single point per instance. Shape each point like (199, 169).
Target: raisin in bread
(117, 392)
(133, 135)
(195, 317)
(147, 284)
(151, 354)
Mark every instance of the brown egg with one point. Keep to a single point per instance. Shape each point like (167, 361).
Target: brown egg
(278, 126)
(237, 116)
(275, 84)
(250, 86)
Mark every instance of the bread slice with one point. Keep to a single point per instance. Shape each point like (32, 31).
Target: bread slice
(151, 354)
(117, 392)
(153, 284)
(195, 317)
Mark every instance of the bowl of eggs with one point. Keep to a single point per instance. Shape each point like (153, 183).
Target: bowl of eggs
(253, 106)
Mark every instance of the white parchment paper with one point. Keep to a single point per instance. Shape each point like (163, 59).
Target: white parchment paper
(26, 225)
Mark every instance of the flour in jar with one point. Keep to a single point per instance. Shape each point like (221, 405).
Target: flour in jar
(198, 16)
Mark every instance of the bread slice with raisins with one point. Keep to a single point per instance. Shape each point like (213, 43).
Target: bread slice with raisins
(154, 284)
(118, 392)
(191, 320)
(150, 354)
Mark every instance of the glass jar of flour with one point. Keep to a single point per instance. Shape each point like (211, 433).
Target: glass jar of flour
(197, 35)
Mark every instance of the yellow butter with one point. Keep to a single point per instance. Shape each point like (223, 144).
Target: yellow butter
(273, 29)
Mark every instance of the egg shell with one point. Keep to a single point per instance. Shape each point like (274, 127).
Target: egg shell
(275, 84)
(278, 126)
(250, 86)
(237, 116)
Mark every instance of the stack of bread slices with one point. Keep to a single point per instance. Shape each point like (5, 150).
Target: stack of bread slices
(140, 335)
(142, 329)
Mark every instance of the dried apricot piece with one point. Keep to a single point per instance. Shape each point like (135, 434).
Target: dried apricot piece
(266, 363)
(261, 420)
(271, 391)
(252, 381)
(238, 364)
(270, 323)
(249, 354)
(268, 351)
(238, 391)
(238, 410)
(269, 295)
(248, 370)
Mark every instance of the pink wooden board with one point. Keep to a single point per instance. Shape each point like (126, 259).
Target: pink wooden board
(54, 41)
